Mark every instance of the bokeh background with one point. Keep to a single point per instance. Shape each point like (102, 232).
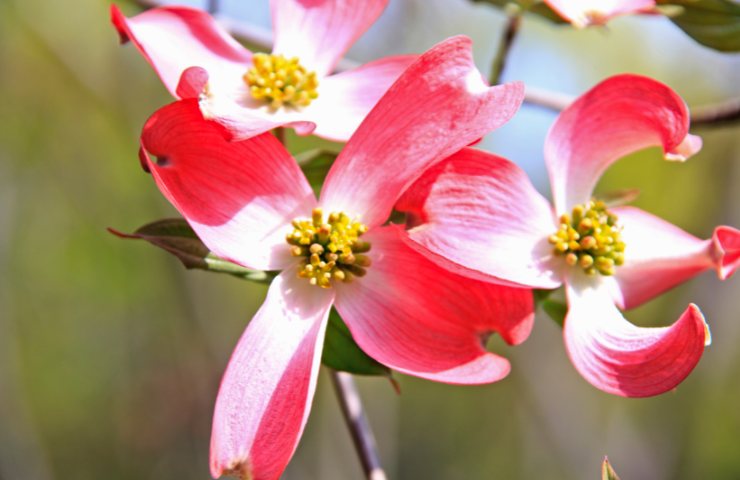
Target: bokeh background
(111, 353)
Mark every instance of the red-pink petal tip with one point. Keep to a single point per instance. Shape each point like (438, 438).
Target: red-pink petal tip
(622, 359)
(726, 242)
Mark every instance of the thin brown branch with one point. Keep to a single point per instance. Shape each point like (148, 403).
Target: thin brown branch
(504, 46)
(359, 427)
(721, 113)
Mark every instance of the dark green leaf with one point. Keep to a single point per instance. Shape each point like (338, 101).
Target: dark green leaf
(342, 353)
(175, 236)
(607, 472)
(540, 296)
(555, 310)
(714, 23)
(315, 164)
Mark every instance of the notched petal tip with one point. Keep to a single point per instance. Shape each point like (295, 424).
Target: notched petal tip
(193, 82)
(239, 469)
(726, 250)
(687, 148)
(119, 22)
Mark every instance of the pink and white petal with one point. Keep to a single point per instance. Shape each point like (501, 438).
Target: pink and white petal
(439, 105)
(268, 387)
(620, 358)
(415, 317)
(245, 117)
(658, 256)
(582, 13)
(173, 39)
(481, 212)
(319, 32)
(621, 115)
(344, 101)
(239, 197)
(726, 243)
(346, 98)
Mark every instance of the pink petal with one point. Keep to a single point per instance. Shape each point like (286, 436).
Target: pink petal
(415, 317)
(239, 197)
(481, 212)
(438, 105)
(583, 13)
(658, 256)
(268, 387)
(319, 32)
(620, 358)
(621, 115)
(173, 39)
(726, 243)
(245, 117)
(345, 99)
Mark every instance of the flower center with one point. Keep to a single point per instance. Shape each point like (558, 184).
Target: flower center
(281, 81)
(590, 238)
(331, 250)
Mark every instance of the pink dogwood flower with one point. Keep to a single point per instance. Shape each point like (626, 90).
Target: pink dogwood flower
(254, 93)
(583, 13)
(250, 203)
(480, 213)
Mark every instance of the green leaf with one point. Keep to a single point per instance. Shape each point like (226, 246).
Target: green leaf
(342, 353)
(315, 165)
(176, 237)
(555, 310)
(713, 23)
(607, 472)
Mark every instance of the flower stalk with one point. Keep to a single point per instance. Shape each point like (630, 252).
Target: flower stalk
(357, 422)
(507, 40)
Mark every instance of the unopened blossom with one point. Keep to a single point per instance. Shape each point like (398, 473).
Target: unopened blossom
(294, 85)
(480, 213)
(583, 13)
(250, 203)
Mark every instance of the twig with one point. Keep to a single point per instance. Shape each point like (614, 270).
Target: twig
(507, 40)
(725, 112)
(359, 427)
(547, 99)
(212, 6)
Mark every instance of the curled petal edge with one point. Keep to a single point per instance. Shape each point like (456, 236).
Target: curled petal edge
(620, 358)
(726, 250)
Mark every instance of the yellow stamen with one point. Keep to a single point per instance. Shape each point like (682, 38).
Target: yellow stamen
(328, 249)
(590, 238)
(281, 81)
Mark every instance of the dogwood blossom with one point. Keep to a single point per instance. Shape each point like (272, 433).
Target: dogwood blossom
(480, 214)
(253, 93)
(250, 203)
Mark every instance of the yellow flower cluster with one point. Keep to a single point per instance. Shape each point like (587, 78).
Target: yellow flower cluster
(590, 238)
(281, 81)
(332, 250)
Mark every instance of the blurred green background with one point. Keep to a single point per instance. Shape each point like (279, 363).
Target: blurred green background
(111, 353)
